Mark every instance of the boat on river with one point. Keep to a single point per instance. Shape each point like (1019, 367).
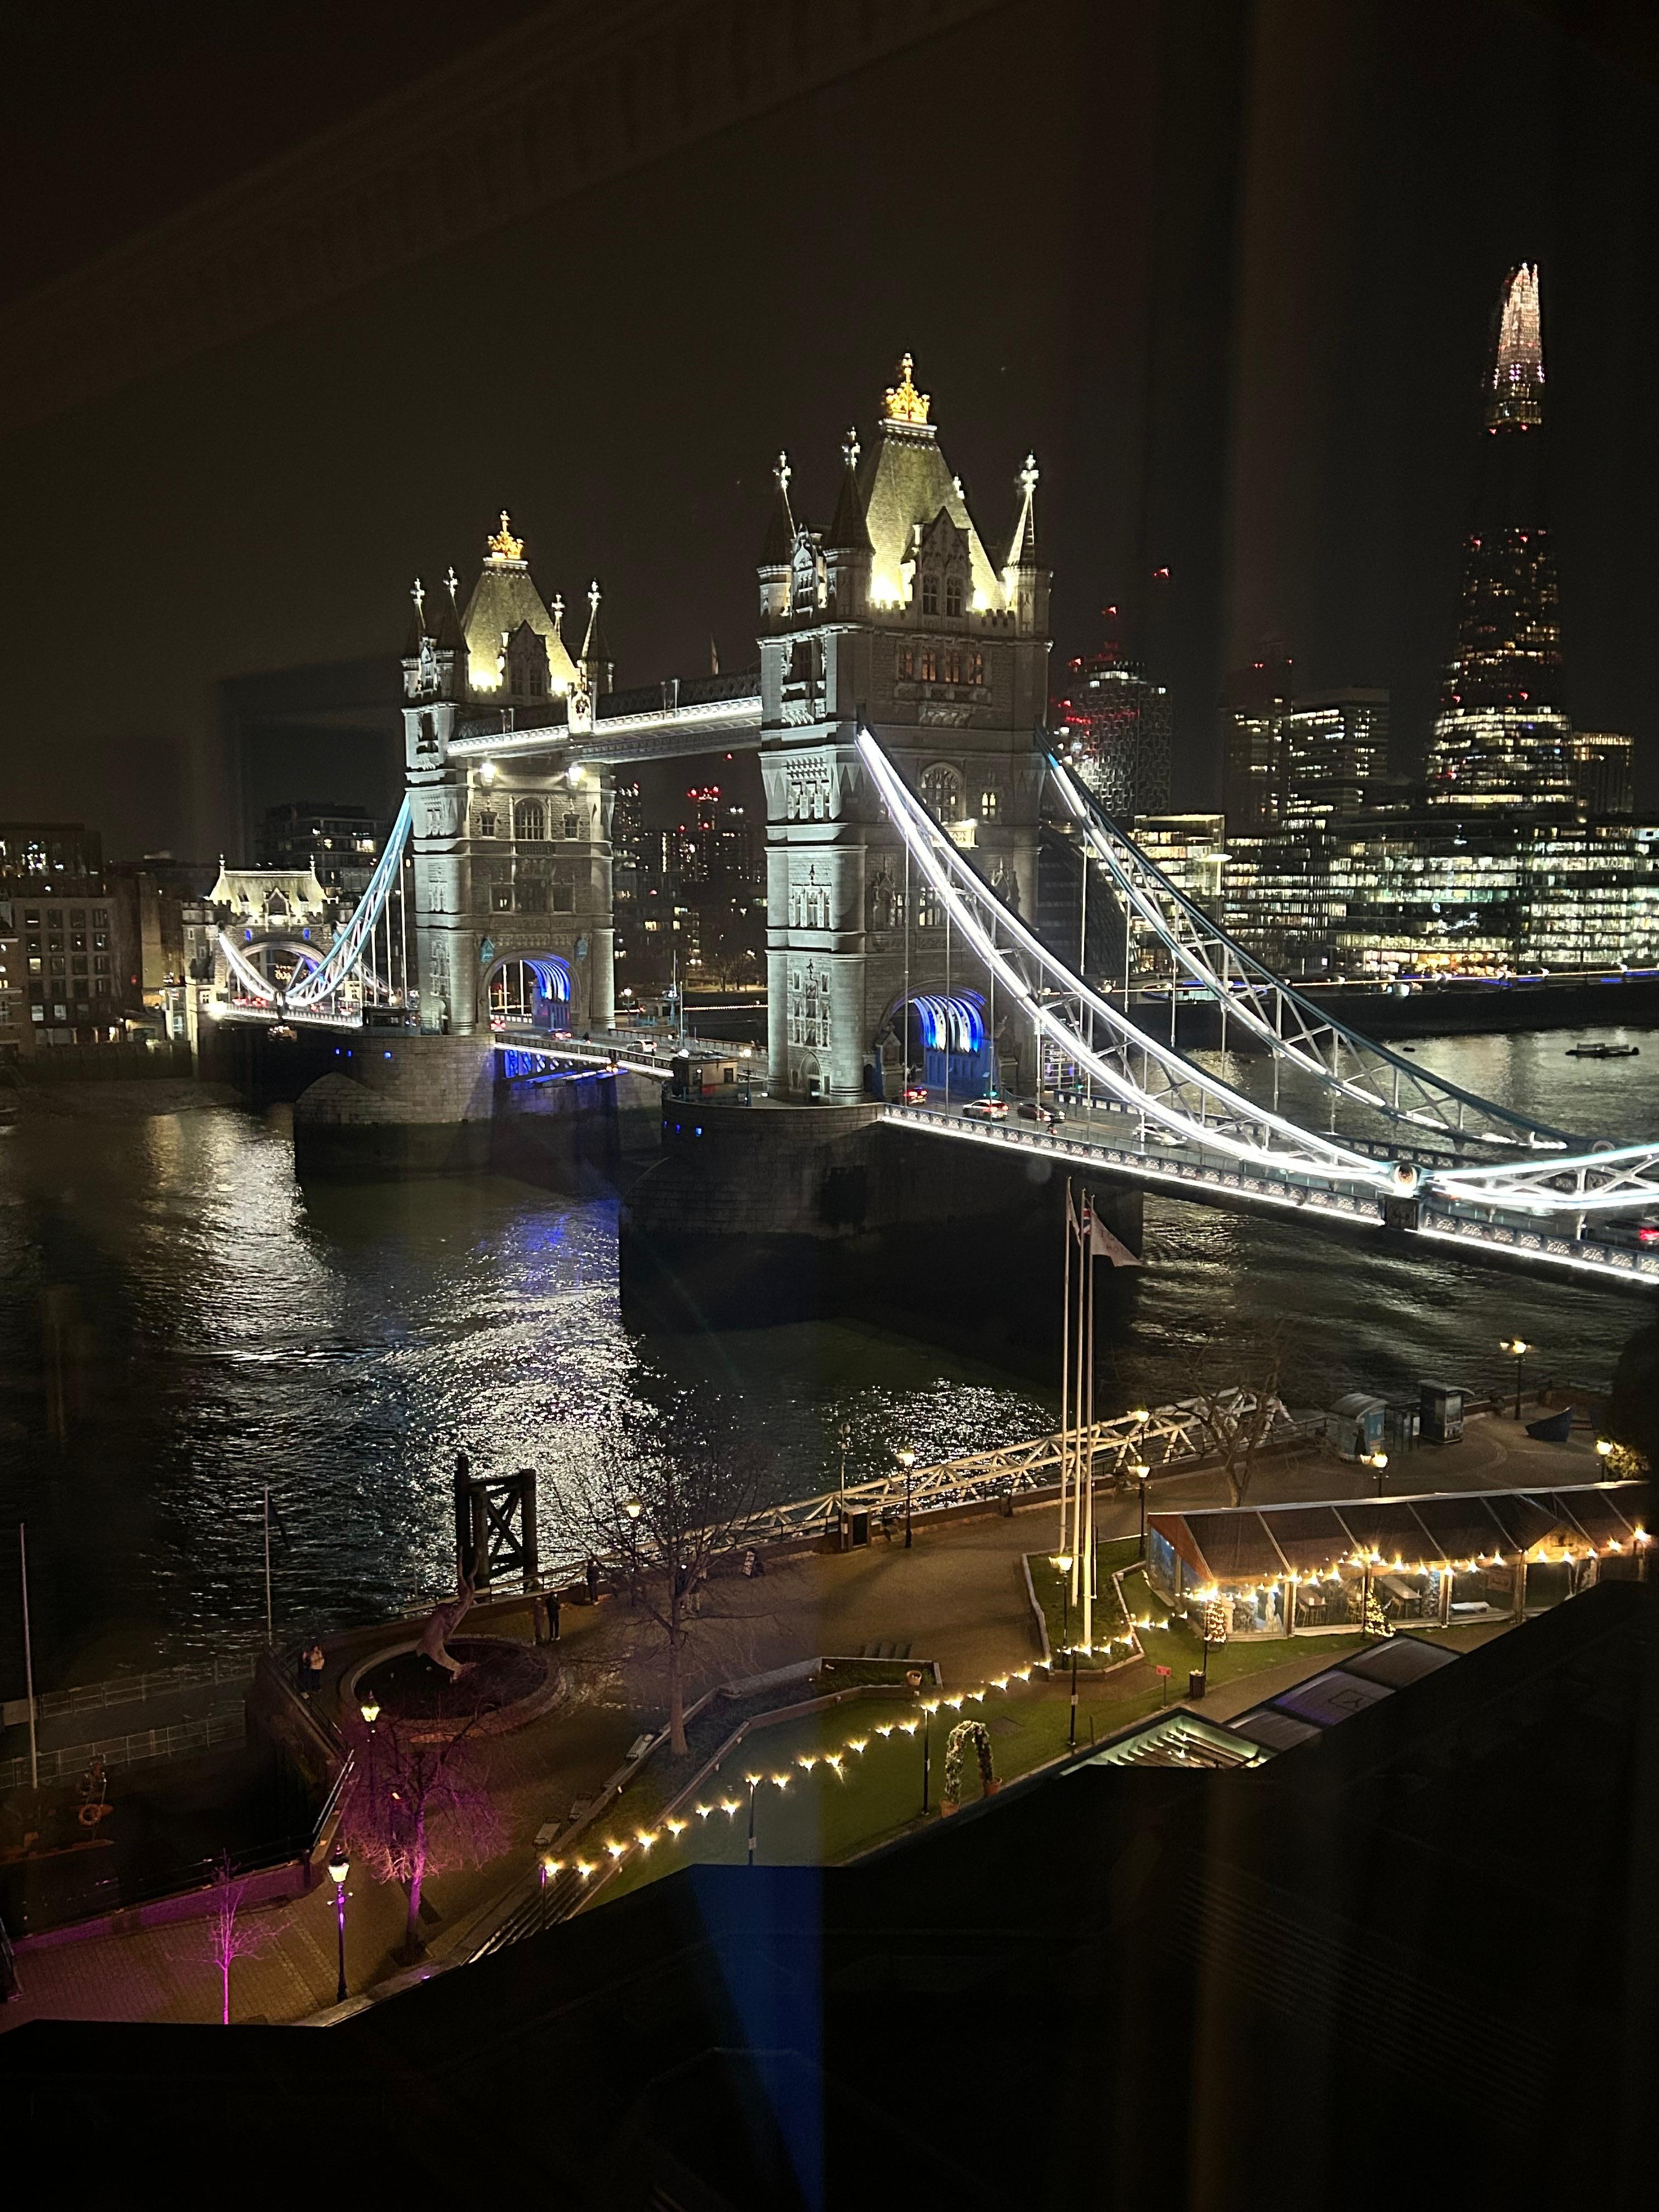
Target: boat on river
(1602, 1051)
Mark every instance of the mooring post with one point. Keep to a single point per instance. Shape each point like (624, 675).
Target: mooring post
(527, 1526)
(462, 1517)
(479, 1500)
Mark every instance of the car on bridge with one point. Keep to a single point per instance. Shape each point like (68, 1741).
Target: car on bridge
(916, 1094)
(991, 1108)
(1033, 1109)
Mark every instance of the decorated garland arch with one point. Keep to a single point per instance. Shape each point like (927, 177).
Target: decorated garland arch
(960, 1735)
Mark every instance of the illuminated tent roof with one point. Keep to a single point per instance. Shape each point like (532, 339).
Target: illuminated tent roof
(1225, 1546)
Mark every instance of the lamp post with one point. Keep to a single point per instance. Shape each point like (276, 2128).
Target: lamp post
(632, 1509)
(1141, 1471)
(1071, 1737)
(338, 1867)
(907, 1459)
(928, 1712)
(753, 1780)
(1379, 1461)
(1517, 1349)
(369, 1707)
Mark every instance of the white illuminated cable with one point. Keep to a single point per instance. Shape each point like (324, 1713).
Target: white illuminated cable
(1531, 1186)
(347, 951)
(1105, 847)
(245, 972)
(921, 836)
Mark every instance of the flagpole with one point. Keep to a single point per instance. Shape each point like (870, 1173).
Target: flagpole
(28, 1654)
(1077, 1425)
(1088, 1392)
(270, 1639)
(1065, 1368)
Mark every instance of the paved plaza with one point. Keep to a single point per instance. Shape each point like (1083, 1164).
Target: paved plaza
(957, 1597)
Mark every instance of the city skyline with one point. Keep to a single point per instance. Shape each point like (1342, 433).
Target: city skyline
(1285, 432)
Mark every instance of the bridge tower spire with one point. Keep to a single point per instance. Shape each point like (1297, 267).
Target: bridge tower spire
(896, 616)
(509, 828)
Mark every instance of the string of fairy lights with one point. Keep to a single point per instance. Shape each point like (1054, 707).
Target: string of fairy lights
(842, 1762)
(755, 1779)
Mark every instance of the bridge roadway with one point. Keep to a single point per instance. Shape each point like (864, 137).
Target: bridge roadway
(1108, 1142)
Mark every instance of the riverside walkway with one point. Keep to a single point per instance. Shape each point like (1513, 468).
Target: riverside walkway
(957, 1597)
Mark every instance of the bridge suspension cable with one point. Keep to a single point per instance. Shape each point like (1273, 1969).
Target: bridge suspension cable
(1293, 1028)
(353, 948)
(1152, 1080)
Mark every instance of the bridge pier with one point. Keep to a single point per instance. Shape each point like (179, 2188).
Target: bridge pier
(788, 1213)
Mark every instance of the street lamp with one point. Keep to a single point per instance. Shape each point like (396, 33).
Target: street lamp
(1605, 1447)
(1140, 1472)
(1517, 1349)
(1071, 1738)
(338, 1867)
(754, 1782)
(907, 1459)
(1378, 1460)
(369, 1707)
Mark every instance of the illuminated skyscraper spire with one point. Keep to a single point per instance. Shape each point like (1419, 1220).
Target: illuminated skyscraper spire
(1518, 369)
(1502, 737)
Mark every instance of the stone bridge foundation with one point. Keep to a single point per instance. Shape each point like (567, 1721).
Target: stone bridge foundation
(783, 1213)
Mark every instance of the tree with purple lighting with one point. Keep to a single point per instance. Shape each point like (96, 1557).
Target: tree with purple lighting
(228, 1935)
(415, 1803)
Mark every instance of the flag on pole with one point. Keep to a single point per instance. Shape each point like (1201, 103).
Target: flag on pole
(1097, 1240)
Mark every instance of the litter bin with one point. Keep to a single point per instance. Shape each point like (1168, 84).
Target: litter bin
(860, 1528)
(1195, 1683)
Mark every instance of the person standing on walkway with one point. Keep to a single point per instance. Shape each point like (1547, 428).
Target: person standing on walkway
(538, 1618)
(315, 1664)
(593, 1580)
(553, 1609)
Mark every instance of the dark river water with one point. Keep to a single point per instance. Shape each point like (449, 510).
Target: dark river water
(180, 1327)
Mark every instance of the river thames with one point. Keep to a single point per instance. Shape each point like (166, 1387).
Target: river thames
(184, 1325)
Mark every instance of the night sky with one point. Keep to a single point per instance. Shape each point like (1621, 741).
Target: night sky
(1227, 270)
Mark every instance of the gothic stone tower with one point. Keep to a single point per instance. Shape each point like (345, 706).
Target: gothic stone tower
(898, 615)
(512, 842)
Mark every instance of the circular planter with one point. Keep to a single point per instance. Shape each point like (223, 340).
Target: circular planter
(506, 1684)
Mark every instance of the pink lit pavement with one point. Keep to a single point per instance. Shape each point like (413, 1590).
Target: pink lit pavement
(958, 1597)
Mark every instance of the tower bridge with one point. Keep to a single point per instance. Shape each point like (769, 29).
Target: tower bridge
(897, 708)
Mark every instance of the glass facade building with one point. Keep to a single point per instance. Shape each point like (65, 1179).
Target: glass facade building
(1115, 723)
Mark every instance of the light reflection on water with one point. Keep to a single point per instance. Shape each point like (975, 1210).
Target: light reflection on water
(213, 1330)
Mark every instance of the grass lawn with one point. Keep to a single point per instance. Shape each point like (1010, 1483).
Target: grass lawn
(1061, 1617)
(821, 1818)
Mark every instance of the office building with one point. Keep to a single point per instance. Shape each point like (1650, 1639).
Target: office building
(1254, 702)
(1115, 725)
(1335, 747)
(339, 844)
(1603, 772)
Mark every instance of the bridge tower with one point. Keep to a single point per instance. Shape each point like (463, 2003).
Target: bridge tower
(897, 614)
(511, 855)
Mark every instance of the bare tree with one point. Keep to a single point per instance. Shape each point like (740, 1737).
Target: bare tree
(1238, 1420)
(415, 1803)
(228, 1935)
(662, 1502)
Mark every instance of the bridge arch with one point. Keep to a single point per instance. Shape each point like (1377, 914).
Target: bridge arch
(945, 1041)
(529, 990)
